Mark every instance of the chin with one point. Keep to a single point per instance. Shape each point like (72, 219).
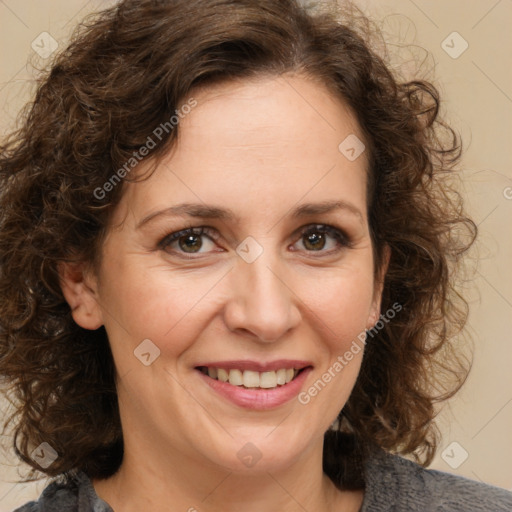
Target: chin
(260, 453)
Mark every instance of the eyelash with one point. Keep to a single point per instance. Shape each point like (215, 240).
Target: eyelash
(339, 236)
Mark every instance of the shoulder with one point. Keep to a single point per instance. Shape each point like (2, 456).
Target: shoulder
(396, 484)
(75, 494)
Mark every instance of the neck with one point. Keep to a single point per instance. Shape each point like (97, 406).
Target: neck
(153, 479)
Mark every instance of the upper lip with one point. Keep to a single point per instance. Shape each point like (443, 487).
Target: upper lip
(257, 366)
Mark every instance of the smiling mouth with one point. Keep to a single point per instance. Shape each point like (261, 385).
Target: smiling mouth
(249, 379)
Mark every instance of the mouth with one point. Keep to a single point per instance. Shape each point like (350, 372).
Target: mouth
(250, 379)
(254, 385)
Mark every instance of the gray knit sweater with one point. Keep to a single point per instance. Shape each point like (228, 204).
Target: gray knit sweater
(393, 484)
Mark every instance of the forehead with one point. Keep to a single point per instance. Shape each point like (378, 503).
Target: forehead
(258, 140)
(269, 111)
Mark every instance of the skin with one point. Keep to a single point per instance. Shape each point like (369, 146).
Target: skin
(260, 148)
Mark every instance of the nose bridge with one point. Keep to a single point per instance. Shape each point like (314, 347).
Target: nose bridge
(262, 302)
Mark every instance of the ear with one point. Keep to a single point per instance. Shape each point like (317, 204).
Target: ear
(378, 287)
(80, 291)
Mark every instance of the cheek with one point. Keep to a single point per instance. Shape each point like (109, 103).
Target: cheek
(169, 308)
(342, 303)
(340, 314)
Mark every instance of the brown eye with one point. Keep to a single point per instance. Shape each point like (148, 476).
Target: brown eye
(314, 241)
(323, 238)
(189, 241)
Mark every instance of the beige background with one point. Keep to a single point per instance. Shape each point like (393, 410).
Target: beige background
(477, 95)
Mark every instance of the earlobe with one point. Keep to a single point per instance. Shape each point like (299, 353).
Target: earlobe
(374, 315)
(80, 291)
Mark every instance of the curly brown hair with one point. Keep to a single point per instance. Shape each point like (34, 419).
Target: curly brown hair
(126, 71)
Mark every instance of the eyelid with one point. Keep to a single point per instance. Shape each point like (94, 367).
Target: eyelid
(194, 230)
(337, 233)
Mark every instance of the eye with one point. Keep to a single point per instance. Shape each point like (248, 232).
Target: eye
(322, 238)
(319, 238)
(189, 241)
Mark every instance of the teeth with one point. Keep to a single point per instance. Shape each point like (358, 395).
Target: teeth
(281, 377)
(268, 380)
(252, 379)
(222, 375)
(236, 378)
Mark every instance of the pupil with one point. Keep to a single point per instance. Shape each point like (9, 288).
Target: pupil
(315, 241)
(190, 243)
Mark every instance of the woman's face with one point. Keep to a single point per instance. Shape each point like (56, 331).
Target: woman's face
(280, 279)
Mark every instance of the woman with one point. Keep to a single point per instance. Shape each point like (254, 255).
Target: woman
(228, 245)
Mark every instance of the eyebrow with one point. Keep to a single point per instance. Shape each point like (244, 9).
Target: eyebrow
(203, 211)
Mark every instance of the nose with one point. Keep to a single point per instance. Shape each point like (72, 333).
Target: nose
(261, 302)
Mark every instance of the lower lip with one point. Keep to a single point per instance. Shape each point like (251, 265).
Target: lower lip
(258, 399)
